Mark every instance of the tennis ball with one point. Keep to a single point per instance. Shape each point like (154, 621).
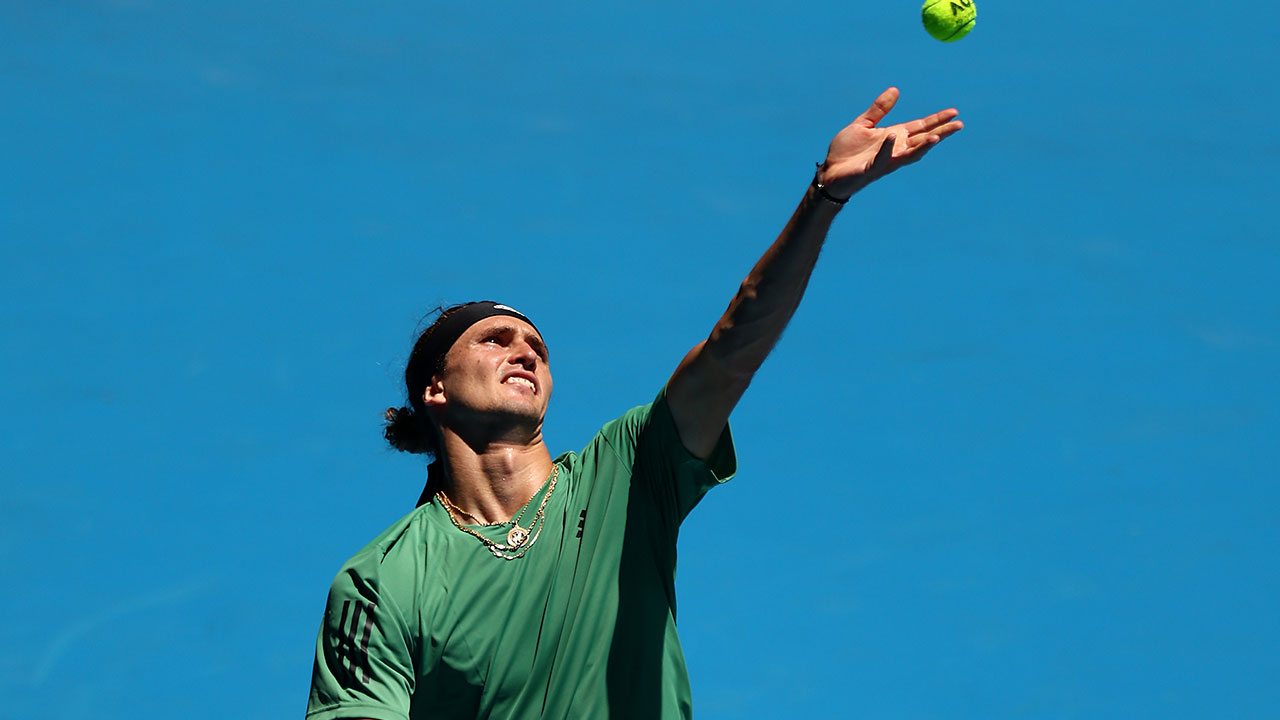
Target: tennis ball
(949, 20)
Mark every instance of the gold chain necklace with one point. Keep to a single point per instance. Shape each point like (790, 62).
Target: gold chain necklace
(519, 539)
(475, 520)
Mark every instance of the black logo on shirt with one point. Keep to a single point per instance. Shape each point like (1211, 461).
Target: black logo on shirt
(355, 655)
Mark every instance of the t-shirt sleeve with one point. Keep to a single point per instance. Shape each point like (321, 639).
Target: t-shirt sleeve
(646, 437)
(364, 654)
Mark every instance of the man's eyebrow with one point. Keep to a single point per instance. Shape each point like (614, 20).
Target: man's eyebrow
(533, 338)
(500, 330)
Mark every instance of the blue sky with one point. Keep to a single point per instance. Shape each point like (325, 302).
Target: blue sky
(1016, 456)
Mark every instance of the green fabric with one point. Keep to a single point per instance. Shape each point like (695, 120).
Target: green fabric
(425, 623)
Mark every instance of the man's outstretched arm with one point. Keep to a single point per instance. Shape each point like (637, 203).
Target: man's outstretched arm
(711, 379)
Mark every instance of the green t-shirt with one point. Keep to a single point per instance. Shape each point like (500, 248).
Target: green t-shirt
(425, 622)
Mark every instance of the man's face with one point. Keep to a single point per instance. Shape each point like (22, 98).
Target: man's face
(496, 373)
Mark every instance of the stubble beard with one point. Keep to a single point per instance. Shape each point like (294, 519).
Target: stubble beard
(509, 422)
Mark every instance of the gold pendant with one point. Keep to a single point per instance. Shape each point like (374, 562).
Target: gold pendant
(516, 536)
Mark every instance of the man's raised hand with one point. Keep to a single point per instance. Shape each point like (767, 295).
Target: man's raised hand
(864, 152)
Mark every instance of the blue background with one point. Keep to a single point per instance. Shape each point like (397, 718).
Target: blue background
(1016, 456)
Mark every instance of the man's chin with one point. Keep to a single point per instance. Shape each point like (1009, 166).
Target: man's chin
(515, 421)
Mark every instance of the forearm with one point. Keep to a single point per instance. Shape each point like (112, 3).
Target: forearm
(712, 378)
(771, 292)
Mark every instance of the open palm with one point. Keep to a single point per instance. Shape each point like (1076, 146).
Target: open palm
(864, 152)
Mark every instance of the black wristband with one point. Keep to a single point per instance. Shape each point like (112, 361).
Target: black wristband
(822, 191)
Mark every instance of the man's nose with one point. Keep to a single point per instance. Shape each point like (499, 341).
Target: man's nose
(523, 354)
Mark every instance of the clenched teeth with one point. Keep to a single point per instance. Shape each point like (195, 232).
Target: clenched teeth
(514, 380)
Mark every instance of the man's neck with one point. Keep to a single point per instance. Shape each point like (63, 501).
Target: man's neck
(491, 482)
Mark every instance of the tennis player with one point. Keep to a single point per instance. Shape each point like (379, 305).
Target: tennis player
(525, 586)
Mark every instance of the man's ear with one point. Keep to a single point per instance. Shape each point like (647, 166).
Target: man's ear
(434, 395)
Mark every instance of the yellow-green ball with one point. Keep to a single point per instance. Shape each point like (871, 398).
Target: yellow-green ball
(949, 20)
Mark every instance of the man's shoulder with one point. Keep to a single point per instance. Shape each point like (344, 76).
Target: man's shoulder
(402, 542)
(612, 449)
(629, 424)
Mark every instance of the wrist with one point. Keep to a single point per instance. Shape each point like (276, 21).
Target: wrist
(824, 191)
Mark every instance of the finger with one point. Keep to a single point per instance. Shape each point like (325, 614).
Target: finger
(921, 144)
(926, 124)
(939, 132)
(915, 152)
(879, 108)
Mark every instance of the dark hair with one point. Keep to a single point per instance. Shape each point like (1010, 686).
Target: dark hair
(409, 428)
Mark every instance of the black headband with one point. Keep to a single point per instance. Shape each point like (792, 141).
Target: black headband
(451, 328)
